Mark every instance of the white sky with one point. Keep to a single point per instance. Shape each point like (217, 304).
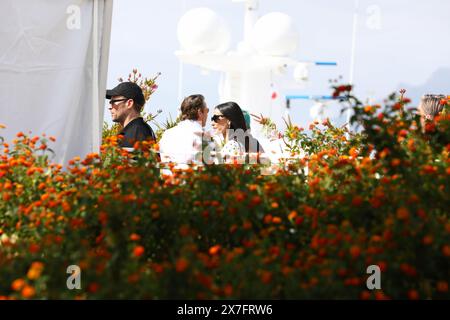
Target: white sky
(409, 46)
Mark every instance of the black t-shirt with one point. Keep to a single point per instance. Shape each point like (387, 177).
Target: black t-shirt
(136, 130)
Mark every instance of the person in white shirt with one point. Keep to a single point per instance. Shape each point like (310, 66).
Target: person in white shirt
(182, 144)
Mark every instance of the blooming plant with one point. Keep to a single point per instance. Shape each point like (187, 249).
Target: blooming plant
(379, 197)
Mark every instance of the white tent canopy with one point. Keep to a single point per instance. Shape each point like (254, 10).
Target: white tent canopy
(53, 68)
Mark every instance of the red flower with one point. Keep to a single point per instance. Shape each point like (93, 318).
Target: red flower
(413, 294)
(93, 287)
(181, 265)
(357, 201)
(33, 248)
(402, 213)
(135, 237)
(355, 251)
(138, 251)
(442, 286)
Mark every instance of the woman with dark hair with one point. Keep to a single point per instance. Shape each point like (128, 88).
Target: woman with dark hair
(229, 123)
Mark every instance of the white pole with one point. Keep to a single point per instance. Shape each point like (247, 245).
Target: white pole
(181, 67)
(95, 98)
(180, 80)
(250, 18)
(353, 52)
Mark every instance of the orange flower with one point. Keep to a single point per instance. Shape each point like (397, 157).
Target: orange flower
(33, 248)
(255, 201)
(446, 250)
(135, 237)
(267, 218)
(395, 162)
(184, 230)
(138, 251)
(369, 109)
(214, 250)
(133, 278)
(382, 265)
(276, 220)
(205, 280)
(65, 206)
(239, 196)
(402, 213)
(442, 286)
(181, 265)
(413, 294)
(28, 292)
(228, 290)
(427, 240)
(379, 295)
(266, 277)
(355, 251)
(408, 269)
(6, 196)
(376, 203)
(411, 145)
(365, 295)
(357, 201)
(35, 270)
(247, 225)
(93, 287)
(353, 152)
(292, 215)
(18, 284)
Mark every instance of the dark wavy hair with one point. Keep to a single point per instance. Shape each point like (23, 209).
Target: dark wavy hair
(191, 105)
(233, 113)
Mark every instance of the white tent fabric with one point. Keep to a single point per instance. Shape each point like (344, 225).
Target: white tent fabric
(53, 68)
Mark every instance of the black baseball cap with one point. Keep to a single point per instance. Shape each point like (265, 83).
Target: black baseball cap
(129, 90)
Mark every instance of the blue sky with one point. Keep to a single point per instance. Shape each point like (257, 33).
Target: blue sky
(399, 44)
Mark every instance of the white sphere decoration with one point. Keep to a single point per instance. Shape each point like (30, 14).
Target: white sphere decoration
(203, 30)
(275, 34)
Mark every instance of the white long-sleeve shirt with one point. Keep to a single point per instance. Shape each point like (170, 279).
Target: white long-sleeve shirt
(182, 144)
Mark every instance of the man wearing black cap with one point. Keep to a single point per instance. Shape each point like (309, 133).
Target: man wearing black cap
(126, 103)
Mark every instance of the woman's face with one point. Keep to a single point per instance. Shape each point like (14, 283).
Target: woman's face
(219, 122)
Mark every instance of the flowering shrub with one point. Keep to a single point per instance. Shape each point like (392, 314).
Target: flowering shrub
(375, 198)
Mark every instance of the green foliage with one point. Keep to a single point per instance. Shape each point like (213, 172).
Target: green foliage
(226, 231)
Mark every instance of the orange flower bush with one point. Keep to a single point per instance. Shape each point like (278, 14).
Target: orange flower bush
(378, 197)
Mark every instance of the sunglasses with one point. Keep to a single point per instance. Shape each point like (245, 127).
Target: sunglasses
(111, 102)
(216, 117)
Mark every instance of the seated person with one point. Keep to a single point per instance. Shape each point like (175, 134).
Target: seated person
(182, 144)
(233, 139)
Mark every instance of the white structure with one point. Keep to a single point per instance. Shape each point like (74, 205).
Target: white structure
(248, 73)
(53, 65)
